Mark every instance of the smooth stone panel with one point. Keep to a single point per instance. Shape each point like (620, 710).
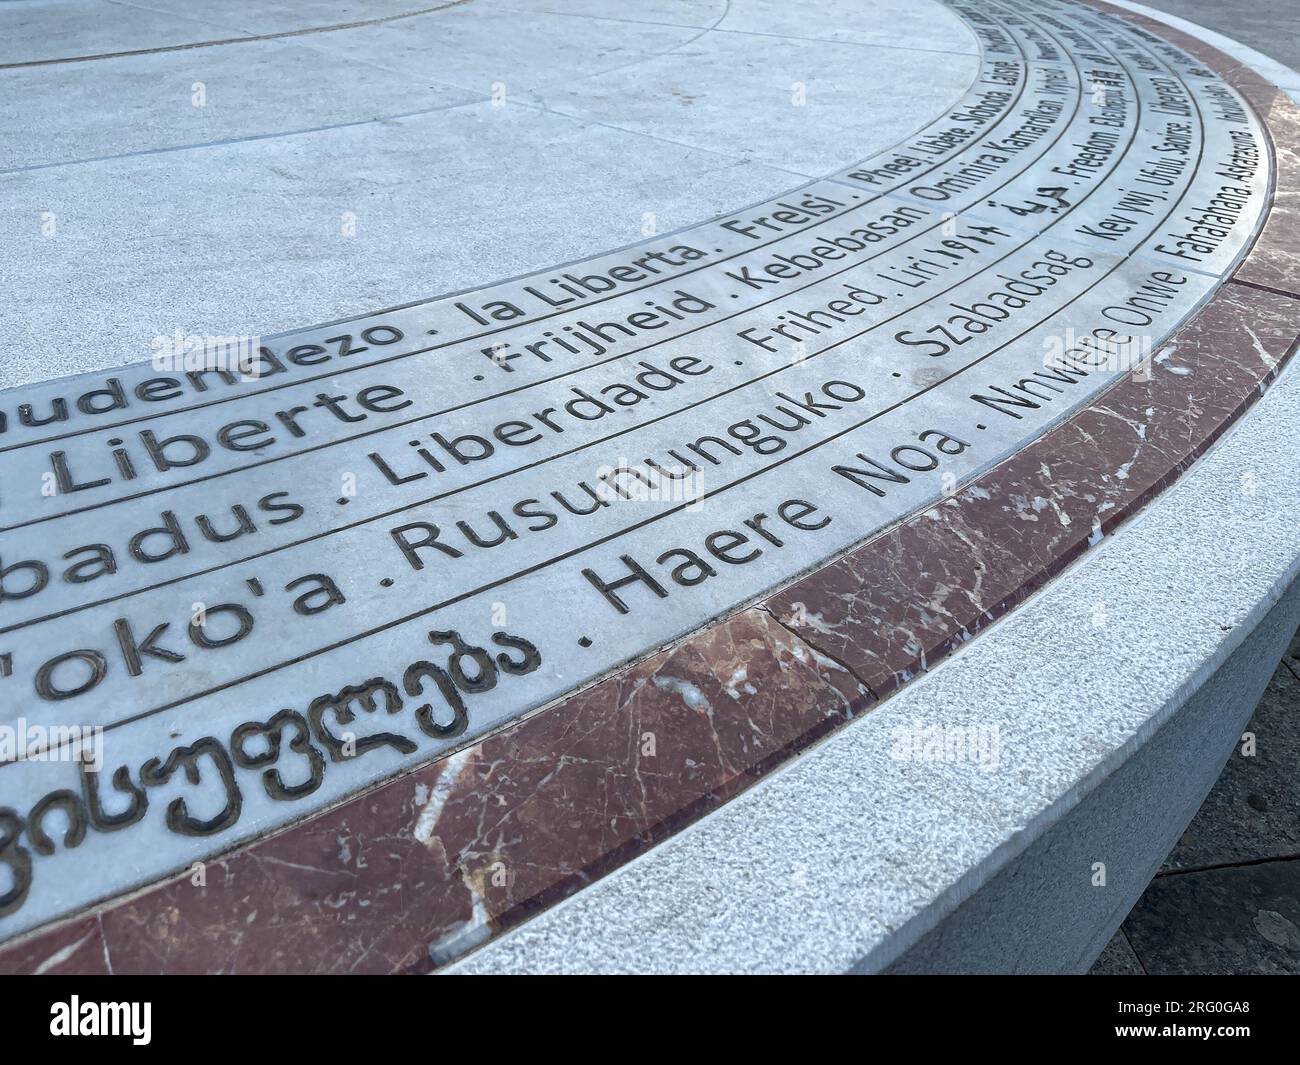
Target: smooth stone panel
(888, 23)
(697, 13)
(55, 29)
(254, 18)
(55, 115)
(787, 87)
(286, 16)
(502, 52)
(263, 248)
(258, 217)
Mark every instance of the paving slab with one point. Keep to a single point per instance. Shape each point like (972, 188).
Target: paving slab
(1269, 26)
(1234, 921)
(1117, 959)
(1253, 811)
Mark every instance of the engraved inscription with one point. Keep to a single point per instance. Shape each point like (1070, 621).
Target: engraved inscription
(234, 595)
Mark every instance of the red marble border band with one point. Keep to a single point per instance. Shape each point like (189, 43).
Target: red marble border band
(1274, 260)
(427, 866)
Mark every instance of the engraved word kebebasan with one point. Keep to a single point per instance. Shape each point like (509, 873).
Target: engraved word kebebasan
(233, 593)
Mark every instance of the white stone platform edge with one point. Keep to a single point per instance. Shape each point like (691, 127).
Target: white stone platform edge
(1152, 647)
(845, 858)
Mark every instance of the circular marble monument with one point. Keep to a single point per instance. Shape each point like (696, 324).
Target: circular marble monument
(637, 611)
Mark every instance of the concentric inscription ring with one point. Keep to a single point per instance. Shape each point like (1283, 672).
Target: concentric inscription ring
(271, 586)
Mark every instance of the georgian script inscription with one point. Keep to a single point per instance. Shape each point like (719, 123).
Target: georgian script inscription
(232, 596)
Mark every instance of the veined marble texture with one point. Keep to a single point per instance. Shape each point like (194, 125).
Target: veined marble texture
(893, 402)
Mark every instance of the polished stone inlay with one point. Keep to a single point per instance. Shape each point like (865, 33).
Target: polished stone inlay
(272, 589)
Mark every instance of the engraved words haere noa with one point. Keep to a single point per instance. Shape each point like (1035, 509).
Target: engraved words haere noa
(232, 595)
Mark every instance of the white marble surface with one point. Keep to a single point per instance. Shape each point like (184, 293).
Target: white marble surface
(226, 218)
(847, 857)
(1014, 263)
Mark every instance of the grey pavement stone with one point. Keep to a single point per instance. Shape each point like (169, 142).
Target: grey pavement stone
(1221, 921)
(1117, 959)
(698, 13)
(1251, 814)
(1271, 26)
(478, 48)
(1253, 811)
